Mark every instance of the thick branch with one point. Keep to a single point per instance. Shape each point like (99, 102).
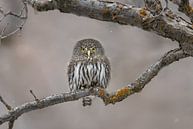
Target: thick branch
(165, 25)
(117, 96)
(184, 7)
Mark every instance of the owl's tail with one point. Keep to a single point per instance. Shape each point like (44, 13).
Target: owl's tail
(87, 101)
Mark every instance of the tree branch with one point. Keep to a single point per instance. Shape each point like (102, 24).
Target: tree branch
(42, 103)
(144, 78)
(164, 24)
(108, 98)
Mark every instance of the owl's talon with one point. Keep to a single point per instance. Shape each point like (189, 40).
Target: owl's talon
(87, 101)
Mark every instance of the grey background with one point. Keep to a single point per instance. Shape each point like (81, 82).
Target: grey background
(37, 59)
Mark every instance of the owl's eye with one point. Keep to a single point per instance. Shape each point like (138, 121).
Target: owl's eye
(83, 49)
(93, 49)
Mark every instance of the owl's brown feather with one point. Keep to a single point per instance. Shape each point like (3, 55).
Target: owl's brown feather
(89, 67)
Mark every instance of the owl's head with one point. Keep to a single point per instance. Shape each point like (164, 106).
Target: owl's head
(88, 49)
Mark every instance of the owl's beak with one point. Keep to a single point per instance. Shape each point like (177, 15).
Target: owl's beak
(88, 53)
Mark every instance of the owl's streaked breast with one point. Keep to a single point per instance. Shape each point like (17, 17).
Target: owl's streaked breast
(88, 73)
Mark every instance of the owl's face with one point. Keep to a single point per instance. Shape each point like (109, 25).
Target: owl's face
(88, 49)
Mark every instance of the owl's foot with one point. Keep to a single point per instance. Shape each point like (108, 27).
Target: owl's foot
(87, 101)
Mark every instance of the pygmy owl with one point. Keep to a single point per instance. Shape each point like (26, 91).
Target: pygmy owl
(88, 68)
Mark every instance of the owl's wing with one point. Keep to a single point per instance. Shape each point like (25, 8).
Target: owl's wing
(70, 72)
(106, 63)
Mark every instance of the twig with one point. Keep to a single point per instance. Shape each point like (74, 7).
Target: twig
(36, 99)
(11, 123)
(5, 104)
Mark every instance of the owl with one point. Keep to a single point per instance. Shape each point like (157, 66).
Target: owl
(88, 68)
